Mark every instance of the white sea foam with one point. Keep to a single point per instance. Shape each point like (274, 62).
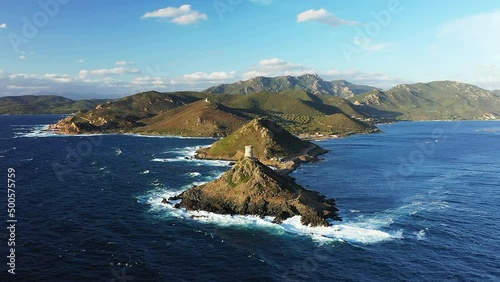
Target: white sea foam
(420, 234)
(194, 174)
(350, 232)
(43, 130)
(340, 232)
(118, 151)
(145, 172)
(196, 162)
(39, 130)
(361, 230)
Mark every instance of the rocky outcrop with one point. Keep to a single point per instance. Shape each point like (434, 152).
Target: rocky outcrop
(272, 144)
(252, 188)
(70, 125)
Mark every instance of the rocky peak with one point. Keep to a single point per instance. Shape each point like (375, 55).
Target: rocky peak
(270, 143)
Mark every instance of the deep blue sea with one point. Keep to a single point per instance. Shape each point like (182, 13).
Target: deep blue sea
(420, 202)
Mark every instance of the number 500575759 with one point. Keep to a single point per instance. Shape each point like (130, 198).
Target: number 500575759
(11, 182)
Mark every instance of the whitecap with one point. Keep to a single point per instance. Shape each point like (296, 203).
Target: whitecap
(196, 162)
(194, 174)
(420, 235)
(338, 232)
(145, 172)
(39, 130)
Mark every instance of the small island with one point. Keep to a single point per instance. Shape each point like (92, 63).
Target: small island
(272, 145)
(252, 188)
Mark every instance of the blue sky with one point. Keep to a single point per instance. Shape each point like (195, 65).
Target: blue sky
(113, 48)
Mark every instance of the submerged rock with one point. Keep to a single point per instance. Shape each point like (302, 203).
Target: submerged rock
(252, 188)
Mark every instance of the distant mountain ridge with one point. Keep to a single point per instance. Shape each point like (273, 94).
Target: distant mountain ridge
(445, 100)
(44, 104)
(310, 83)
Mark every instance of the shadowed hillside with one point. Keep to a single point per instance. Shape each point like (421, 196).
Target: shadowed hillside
(30, 104)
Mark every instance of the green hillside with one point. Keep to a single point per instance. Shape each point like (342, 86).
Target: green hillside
(168, 113)
(445, 100)
(269, 140)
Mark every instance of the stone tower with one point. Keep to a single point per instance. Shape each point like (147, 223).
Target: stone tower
(249, 152)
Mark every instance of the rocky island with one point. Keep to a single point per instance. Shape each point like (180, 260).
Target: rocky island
(272, 145)
(252, 188)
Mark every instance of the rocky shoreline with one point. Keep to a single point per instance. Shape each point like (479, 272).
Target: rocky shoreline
(252, 188)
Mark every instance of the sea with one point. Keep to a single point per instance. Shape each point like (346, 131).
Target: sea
(420, 202)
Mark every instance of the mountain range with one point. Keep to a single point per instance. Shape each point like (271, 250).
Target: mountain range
(443, 100)
(310, 83)
(305, 105)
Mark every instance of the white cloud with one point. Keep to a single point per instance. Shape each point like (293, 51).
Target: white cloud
(277, 67)
(365, 44)
(22, 57)
(381, 80)
(57, 77)
(183, 15)
(124, 63)
(86, 86)
(473, 37)
(27, 87)
(4, 25)
(80, 61)
(114, 71)
(323, 16)
(215, 76)
(473, 41)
